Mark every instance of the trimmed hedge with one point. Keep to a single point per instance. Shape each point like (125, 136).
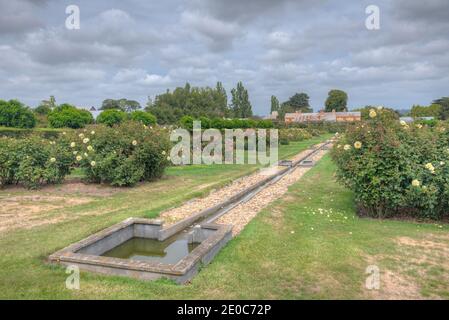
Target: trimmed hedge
(46, 133)
(186, 122)
(68, 116)
(111, 117)
(144, 117)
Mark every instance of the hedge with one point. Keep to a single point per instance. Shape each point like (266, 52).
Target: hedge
(46, 133)
(186, 122)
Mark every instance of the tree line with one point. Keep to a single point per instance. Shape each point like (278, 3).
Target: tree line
(171, 106)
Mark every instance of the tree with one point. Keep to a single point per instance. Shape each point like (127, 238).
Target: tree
(129, 105)
(444, 103)
(221, 97)
(434, 110)
(336, 100)
(42, 109)
(241, 107)
(66, 115)
(274, 104)
(120, 104)
(51, 103)
(15, 114)
(171, 106)
(298, 102)
(109, 104)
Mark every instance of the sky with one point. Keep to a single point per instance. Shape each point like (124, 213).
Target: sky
(138, 49)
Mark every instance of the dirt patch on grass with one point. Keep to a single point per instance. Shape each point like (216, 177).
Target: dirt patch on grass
(426, 244)
(419, 269)
(276, 219)
(29, 210)
(394, 285)
(67, 188)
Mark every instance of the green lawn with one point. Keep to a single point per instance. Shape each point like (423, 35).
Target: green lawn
(291, 250)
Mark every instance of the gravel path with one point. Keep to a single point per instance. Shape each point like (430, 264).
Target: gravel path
(241, 215)
(216, 196)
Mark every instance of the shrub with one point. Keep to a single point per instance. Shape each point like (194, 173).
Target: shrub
(205, 122)
(265, 124)
(293, 134)
(33, 161)
(144, 117)
(395, 169)
(42, 109)
(122, 155)
(14, 114)
(218, 123)
(46, 133)
(111, 117)
(186, 122)
(68, 116)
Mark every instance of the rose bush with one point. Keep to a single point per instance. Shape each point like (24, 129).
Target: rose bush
(394, 168)
(33, 161)
(293, 134)
(121, 155)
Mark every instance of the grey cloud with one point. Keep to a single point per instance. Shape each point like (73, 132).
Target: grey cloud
(136, 49)
(111, 37)
(18, 16)
(219, 33)
(245, 11)
(429, 11)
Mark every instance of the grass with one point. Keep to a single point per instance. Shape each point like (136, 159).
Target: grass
(291, 250)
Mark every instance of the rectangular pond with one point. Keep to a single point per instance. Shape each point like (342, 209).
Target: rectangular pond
(171, 250)
(142, 248)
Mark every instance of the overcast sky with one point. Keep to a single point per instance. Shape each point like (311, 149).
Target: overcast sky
(135, 49)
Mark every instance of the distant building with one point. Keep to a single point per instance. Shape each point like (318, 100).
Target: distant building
(410, 119)
(273, 116)
(94, 112)
(406, 119)
(299, 117)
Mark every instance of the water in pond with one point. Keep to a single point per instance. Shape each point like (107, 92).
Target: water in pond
(168, 251)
